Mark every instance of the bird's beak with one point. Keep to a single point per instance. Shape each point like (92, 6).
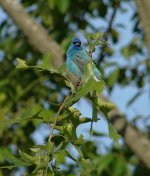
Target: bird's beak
(77, 44)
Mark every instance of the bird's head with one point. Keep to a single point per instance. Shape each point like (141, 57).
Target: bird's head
(76, 43)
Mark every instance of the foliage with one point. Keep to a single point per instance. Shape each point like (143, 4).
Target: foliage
(30, 97)
(66, 122)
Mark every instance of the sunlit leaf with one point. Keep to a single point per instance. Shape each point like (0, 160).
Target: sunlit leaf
(10, 157)
(104, 106)
(79, 141)
(21, 64)
(112, 133)
(46, 64)
(60, 156)
(27, 158)
(47, 115)
(84, 120)
(91, 85)
(69, 84)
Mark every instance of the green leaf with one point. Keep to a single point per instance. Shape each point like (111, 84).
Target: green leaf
(115, 35)
(104, 162)
(95, 39)
(120, 167)
(104, 106)
(48, 147)
(94, 113)
(86, 88)
(109, 50)
(70, 156)
(134, 98)
(47, 115)
(21, 64)
(112, 132)
(69, 84)
(79, 141)
(27, 158)
(70, 131)
(95, 36)
(8, 167)
(112, 79)
(131, 49)
(42, 165)
(30, 113)
(99, 134)
(63, 69)
(87, 168)
(126, 52)
(60, 156)
(57, 140)
(62, 5)
(84, 120)
(46, 64)
(9, 156)
(88, 72)
(2, 96)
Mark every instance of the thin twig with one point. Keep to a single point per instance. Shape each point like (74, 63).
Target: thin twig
(57, 115)
(105, 36)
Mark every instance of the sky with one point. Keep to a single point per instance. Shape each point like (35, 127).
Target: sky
(120, 96)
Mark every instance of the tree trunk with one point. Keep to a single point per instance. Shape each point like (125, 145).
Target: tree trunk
(36, 35)
(143, 8)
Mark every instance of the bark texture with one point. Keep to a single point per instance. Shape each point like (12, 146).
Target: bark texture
(143, 8)
(40, 40)
(137, 141)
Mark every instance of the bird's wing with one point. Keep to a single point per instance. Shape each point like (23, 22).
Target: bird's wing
(81, 59)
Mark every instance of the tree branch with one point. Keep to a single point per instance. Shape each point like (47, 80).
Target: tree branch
(36, 34)
(106, 34)
(143, 8)
(39, 39)
(136, 140)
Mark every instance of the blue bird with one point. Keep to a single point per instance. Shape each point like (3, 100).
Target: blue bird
(77, 57)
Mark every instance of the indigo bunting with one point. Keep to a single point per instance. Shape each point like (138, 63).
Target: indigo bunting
(77, 57)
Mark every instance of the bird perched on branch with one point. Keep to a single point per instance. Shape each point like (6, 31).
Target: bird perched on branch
(77, 57)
